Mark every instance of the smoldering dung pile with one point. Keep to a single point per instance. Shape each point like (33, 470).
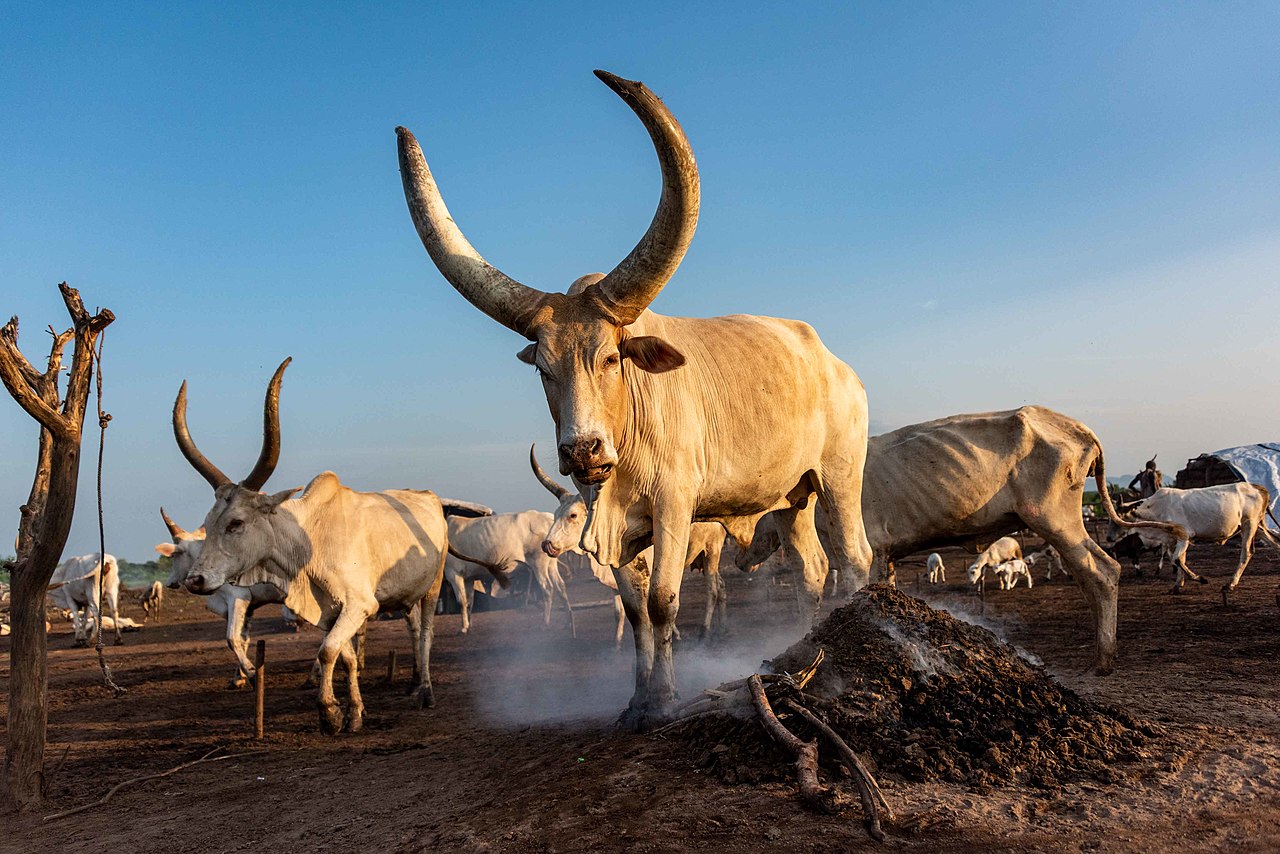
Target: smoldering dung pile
(929, 697)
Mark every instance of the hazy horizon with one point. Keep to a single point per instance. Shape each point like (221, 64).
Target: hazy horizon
(977, 207)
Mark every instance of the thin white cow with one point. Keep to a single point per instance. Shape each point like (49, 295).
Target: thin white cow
(937, 571)
(1212, 514)
(1003, 549)
(507, 540)
(74, 586)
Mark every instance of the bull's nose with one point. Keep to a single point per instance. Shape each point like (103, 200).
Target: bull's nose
(550, 549)
(195, 583)
(581, 449)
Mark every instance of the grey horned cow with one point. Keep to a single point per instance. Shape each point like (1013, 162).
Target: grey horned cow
(340, 556)
(666, 420)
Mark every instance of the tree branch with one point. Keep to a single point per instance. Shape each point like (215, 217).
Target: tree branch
(12, 373)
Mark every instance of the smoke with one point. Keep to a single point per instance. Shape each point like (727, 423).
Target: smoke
(963, 608)
(521, 674)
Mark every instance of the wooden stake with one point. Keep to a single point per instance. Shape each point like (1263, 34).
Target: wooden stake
(260, 685)
(391, 667)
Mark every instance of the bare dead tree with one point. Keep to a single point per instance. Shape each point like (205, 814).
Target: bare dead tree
(43, 526)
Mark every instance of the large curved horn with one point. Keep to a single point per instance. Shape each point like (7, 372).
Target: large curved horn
(554, 488)
(187, 445)
(270, 454)
(175, 530)
(635, 282)
(485, 286)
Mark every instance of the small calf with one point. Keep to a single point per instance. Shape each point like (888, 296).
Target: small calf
(1010, 571)
(1051, 559)
(151, 599)
(937, 571)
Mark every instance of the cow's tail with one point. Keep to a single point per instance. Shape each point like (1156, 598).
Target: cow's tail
(1100, 478)
(498, 570)
(1262, 528)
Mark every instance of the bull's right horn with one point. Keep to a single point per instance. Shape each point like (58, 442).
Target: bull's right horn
(554, 488)
(485, 286)
(187, 445)
(175, 530)
(270, 453)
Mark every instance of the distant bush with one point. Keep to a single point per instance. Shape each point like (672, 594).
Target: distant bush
(142, 574)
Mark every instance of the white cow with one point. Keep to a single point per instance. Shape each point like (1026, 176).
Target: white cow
(1213, 514)
(340, 556)
(1003, 549)
(506, 540)
(232, 602)
(706, 540)
(75, 587)
(1010, 571)
(937, 571)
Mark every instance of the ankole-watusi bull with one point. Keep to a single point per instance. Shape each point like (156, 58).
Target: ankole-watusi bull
(662, 421)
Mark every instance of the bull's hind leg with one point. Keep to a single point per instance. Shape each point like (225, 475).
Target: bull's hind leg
(1248, 531)
(423, 696)
(840, 491)
(801, 551)
(1098, 576)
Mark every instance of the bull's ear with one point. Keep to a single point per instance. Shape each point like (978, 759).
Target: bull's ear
(526, 355)
(650, 353)
(271, 502)
(166, 549)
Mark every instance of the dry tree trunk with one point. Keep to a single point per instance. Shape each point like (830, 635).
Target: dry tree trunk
(43, 527)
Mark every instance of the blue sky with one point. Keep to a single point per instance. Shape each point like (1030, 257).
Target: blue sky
(977, 205)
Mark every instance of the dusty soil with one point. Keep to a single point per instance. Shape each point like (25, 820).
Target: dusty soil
(520, 753)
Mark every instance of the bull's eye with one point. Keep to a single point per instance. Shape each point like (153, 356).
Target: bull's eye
(573, 516)
(611, 361)
(234, 525)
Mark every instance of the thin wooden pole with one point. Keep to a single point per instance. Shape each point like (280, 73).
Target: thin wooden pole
(260, 685)
(391, 667)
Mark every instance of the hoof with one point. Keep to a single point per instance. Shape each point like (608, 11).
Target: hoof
(331, 721)
(237, 684)
(353, 723)
(119, 641)
(1203, 580)
(422, 697)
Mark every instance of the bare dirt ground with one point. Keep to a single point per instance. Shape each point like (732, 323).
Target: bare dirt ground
(520, 753)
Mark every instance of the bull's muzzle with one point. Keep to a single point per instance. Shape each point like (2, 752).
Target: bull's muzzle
(589, 459)
(550, 549)
(196, 584)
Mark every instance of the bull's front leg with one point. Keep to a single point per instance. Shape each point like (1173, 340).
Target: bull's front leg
(337, 643)
(670, 546)
(633, 590)
(238, 640)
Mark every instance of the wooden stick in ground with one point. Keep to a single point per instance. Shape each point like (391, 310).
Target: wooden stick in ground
(391, 667)
(805, 752)
(260, 688)
(208, 757)
(868, 791)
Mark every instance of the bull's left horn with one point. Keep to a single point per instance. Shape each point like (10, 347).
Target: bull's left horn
(175, 530)
(270, 454)
(634, 283)
(484, 285)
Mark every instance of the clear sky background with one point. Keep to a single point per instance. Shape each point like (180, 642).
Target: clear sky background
(977, 205)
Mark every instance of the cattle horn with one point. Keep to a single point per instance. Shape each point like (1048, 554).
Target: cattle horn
(187, 445)
(638, 278)
(175, 531)
(554, 488)
(270, 454)
(485, 286)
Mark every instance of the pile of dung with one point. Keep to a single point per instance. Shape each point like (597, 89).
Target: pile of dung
(926, 696)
